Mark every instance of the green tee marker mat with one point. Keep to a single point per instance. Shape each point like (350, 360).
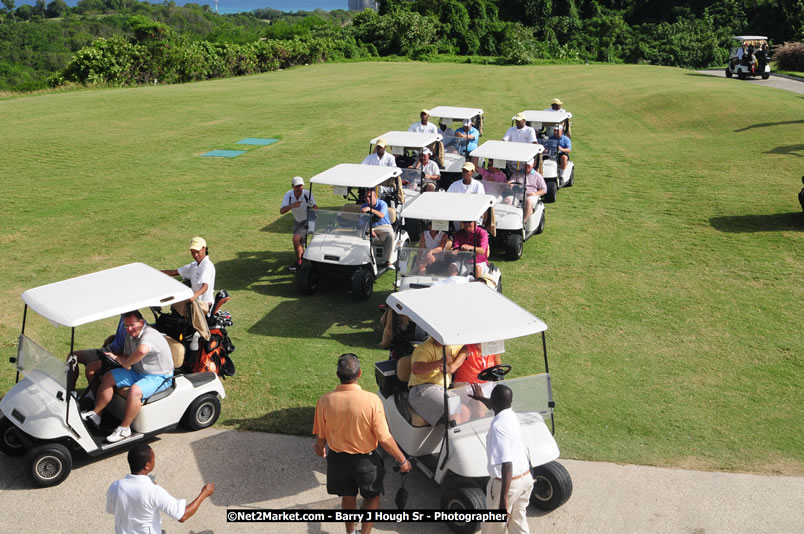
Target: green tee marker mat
(256, 141)
(223, 153)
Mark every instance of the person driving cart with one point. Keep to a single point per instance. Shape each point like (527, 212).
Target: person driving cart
(201, 274)
(427, 379)
(147, 367)
(381, 227)
(431, 245)
(534, 184)
(91, 358)
(472, 238)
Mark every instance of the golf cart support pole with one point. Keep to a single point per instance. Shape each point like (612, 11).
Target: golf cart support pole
(24, 317)
(552, 403)
(446, 405)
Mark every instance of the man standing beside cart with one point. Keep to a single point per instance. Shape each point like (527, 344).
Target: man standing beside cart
(349, 424)
(510, 482)
(297, 201)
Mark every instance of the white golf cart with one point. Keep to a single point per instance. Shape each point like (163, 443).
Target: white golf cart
(509, 210)
(342, 247)
(453, 454)
(455, 147)
(749, 58)
(40, 415)
(545, 124)
(417, 268)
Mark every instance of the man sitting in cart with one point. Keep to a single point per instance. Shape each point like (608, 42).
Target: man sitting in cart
(147, 368)
(534, 184)
(559, 146)
(430, 171)
(427, 379)
(381, 226)
(424, 125)
(91, 358)
(520, 133)
(467, 183)
(472, 238)
(380, 156)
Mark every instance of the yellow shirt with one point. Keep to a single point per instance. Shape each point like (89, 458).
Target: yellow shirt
(350, 420)
(430, 352)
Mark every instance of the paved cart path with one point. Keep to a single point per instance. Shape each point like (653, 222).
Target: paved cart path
(258, 470)
(779, 81)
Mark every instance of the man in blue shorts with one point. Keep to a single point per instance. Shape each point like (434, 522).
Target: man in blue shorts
(147, 367)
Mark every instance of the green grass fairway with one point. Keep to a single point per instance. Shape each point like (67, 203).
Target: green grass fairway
(671, 276)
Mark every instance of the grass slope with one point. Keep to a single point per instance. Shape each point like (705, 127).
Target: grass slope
(670, 275)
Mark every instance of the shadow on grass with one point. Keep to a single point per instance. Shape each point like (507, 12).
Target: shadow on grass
(759, 223)
(251, 266)
(793, 150)
(769, 124)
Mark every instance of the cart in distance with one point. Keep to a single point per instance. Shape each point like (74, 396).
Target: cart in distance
(40, 415)
(753, 61)
(342, 248)
(452, 453)
(512, 229)
(545, 124)
(455, 152)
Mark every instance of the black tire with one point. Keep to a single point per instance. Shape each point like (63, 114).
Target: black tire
(741, 74)
(49, 464)
(728, 73)
(571, 180)
(362, 284)
(463, 498)
(9, 442)
(203, 412)
(306, 279)
(540, 228)
(552, 189)
(765, 75)
(513, 246)
(552, 486)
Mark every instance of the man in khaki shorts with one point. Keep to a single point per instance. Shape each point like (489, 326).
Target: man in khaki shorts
(297, 201)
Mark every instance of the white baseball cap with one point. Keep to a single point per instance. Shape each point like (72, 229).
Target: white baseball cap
(297, 180)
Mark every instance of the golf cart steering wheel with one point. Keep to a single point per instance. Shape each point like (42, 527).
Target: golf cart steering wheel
(108, 363)
(494, 374)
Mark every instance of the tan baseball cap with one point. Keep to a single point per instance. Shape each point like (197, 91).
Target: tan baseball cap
(381, 142)
(519, 117)
(197, 243)
(468, 166)
(557, 101)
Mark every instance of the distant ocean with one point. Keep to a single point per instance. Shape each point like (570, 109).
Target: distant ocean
(239, 6)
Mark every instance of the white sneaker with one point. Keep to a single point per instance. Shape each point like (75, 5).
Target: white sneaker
(91, 417)
(118, 434)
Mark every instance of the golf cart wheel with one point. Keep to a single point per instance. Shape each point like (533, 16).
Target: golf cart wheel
(463, 498)
(728, 73)
(552, 486)
(741, 74)
(540, 228)
(49, 464)
(362, 284)
(203, 412)
(552, 188)
(513, 246)
(571, 180)
(306, 279)
(9, 442)
(766, 75)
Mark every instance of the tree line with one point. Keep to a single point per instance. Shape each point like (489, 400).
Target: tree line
(123, 42)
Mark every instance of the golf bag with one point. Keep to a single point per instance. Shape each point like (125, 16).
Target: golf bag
(215, 354)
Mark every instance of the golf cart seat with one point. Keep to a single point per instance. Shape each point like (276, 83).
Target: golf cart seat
(177, 352)
(403, 366)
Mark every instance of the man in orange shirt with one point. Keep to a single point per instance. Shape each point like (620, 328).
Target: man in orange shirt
(349, 424)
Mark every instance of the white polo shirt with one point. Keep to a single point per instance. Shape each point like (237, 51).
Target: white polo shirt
(387, 160)
(418, 127)
(504, 444)
(306, 198)
(199, 274)
(525, 135)
(475, 186)
(136, 503)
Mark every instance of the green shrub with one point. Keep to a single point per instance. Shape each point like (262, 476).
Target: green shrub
(789, 56)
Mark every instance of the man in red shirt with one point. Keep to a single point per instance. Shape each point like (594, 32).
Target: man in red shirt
(349, 423)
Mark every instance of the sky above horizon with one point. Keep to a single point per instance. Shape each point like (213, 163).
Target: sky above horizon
(231, 6)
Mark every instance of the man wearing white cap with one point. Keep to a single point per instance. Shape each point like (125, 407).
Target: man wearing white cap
(298, 200)
(520, 133)
(535, 186)
(467, 184)
(430, 171)
(380, 157)
(469, 135)
(555, 105)
(424, 125)
(201, 274)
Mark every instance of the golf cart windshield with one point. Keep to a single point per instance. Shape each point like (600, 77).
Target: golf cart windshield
(32, 359)
(455, 145)
(342, 223)
(411, 179)
(446, 267)
(532, 397)
(504, 192)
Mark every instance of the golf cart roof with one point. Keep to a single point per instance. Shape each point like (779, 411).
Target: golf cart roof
(355, 175)
(742, 38)
(407, 139)
(507, 150)
(96, 296)
(550, 117)
(451, 314)
(451, 112)
(443, 206)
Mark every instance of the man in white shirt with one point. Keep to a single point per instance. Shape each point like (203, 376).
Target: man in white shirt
(510, 481)
(430, 171)
(298, 200)
(380, 157)
(136, 501)
(555, 105)
(424, 125)
(201, 274)
(520, 133)
(467, 184)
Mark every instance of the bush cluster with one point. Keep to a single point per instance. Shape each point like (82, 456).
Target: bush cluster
(790, 56)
